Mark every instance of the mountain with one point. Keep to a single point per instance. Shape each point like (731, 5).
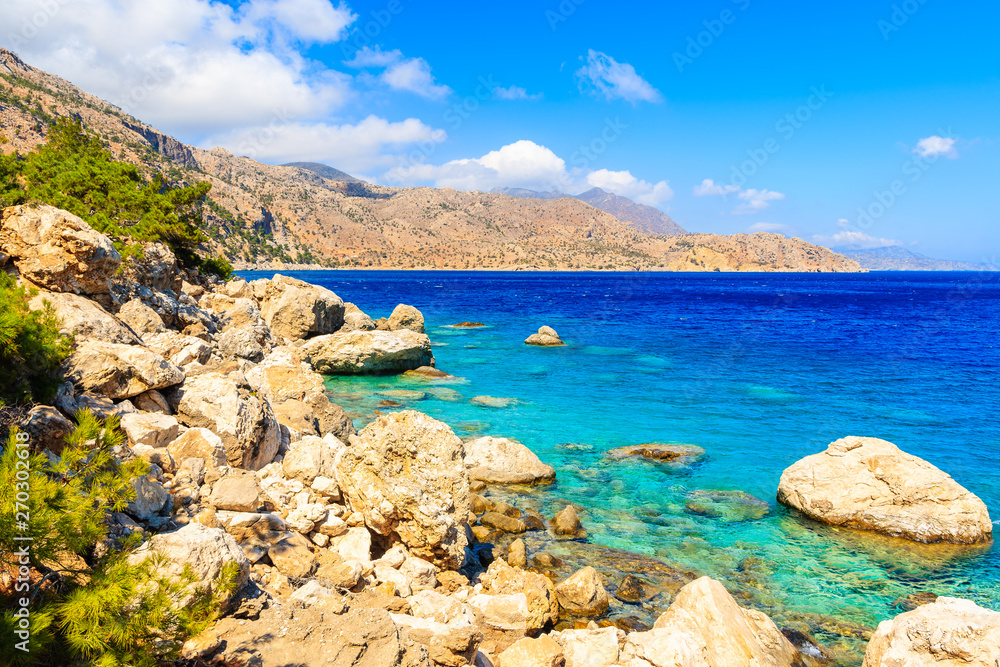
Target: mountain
(896, 258)
(644, 218)
(325, 171)
(280, 217)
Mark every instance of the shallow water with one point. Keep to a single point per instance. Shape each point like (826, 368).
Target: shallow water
(759, 369)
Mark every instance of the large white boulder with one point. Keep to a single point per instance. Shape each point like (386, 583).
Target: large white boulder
(505, 461)
(119, 371)
(295, 309)
(369, 352)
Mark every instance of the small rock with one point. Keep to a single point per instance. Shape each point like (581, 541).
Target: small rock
(583, 593)
(517, 555)
(501, 522)
(528, 652)
(546, 337)
(567, 522)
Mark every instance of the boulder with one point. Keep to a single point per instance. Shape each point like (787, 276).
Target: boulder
(57, 250)
(447, 646)
(528, 652)
(237, 493)
(152, 401)
(46, 428)
(583, 593)
(356, 320)
(675, 454)
(406, 317)
(199, 550)
(312, 457)
(502, 612)
(505, 461)
(405, 474)
(295, 309)
(255, 533)
(225, 404)
(198, 443)
(250, 343)
(354, 545)
(726, 505)
(84, 318)
(870, 484)
(542, 608)
(546, 337)
(154, 268)
(947, 633)
(293, 556)
(440, 608)
(567, 522)
(502, 522)
(705, 626)
(178, 348)
(119, 371)
(150, 499)
(589, 648)
(369, 352)
(149, 428)
(141, 318)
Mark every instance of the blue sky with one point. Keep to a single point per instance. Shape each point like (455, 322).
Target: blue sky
(867, 123)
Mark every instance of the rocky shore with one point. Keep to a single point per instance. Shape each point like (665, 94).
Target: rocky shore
(402, 544)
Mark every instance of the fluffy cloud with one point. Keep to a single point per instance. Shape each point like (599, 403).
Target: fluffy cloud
(772, 227)
(623, 183)
(188, 66)
(356, 149)
(753, 200)
(854, 239)
(523, 164)
(935, 146)
(604, 75)
(514, 93)
(409, 74)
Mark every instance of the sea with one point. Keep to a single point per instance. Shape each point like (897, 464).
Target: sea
(760, 370)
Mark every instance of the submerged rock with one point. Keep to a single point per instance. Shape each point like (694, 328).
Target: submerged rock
(492, 401)
(505, 461)
(726, 505)
(871, 484)
(546, 337)
(369, 352)
(567, 522)
(948, 633)
(677, 454)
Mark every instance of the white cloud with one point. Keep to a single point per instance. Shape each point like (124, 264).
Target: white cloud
(935, 146)
(709, 187)
(514, 93)
(623, 183)
(409, 74)
(843, 223)
(854, 239)
(605, 75)
(523, 164)
(189, 66)
(754, 200)
(772, 227)
(355, 149)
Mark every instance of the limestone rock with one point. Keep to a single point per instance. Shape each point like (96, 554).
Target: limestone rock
(870, 484)
(149, 428)
(178, 348)
(589, 648)
(204, 550)
(199, 443)
(152, 401)
(446, 645)
(947, 633)
(528, 652)
(57, 250)
(312, 457)
(141, 318)
(501, 522)
(434, 606)
(236, 492)
(84, 318)
(404, 472)
(369, 352)
(583, 593)
(150, 499)
(406, 317)
(567, 522)
(225, 404)
(293, 556)
(673, 453)
(541, 609)
(505, 461)
(356, 320)
(705, 626)
(502, 612)
(546, 337)
(295, 309)
(119, 371)
(46, 428)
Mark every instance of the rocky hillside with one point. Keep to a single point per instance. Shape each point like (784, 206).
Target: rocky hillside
(264, 216)
(900, 259)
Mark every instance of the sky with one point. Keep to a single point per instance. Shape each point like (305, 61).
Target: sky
(868, 124)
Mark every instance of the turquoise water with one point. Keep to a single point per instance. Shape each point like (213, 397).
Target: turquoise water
(758, 369)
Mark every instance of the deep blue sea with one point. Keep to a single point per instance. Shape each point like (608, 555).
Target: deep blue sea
(758, 369)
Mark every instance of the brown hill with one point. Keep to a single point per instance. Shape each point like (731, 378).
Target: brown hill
(261, 215)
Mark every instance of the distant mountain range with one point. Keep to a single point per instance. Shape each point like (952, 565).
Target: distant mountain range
(644, 218)
(896, 258)
(325, 171)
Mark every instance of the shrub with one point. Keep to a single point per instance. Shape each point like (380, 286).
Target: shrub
(218, 266)
(31, 347)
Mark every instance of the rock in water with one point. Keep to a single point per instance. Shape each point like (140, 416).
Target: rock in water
(583, 593)
(705, 626)
(405, 474)
(57, 250)
(369, 352)
(870, 484)
(676, 454)
(406, 317)
(948, 633)
(295, 309)
(504, 461)
(546, 337)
